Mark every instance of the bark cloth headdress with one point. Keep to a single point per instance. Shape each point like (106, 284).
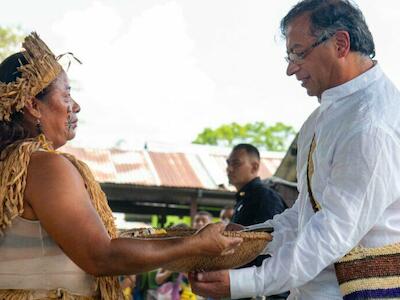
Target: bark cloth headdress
(42, 68)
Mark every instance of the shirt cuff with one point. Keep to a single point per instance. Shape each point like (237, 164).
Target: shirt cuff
(241, 285)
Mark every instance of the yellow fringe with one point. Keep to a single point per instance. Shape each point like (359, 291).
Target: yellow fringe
(13, 171)
(29, 295)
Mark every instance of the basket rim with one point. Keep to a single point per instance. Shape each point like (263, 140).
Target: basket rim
(179, 232)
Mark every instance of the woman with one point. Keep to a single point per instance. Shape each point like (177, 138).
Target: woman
(58, 235)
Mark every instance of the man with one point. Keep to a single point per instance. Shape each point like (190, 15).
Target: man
(255, 203)
(201, 219)
(353, 171)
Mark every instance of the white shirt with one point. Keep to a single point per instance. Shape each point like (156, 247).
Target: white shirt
(356, 181)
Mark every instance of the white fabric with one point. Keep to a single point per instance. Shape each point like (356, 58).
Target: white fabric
(356, 181)
(30, 259)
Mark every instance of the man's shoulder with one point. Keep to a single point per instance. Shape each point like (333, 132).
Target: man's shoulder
(261, 189)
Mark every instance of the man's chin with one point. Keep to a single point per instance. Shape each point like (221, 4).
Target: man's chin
(310, 93)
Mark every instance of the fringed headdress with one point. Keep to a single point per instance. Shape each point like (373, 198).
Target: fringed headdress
(42, 68)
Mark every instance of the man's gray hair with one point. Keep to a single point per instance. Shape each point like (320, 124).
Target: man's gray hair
(329, 16)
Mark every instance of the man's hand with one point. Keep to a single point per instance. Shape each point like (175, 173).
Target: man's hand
(211, 284)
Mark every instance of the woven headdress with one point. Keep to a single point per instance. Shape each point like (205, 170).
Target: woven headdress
(42, 68)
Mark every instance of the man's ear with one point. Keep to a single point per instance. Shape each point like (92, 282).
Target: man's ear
(32, 108)
(255, 165)
(342, 43)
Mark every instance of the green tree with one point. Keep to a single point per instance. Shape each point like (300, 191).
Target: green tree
(272, 138)
(10, 41)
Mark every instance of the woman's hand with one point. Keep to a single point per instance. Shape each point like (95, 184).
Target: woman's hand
(210, 241)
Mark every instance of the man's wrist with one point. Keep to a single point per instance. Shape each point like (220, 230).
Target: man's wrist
(240, 285)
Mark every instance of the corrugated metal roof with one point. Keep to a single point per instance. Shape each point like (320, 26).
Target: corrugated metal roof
(98, 160)
(174, 170)
(206, 170)
(133, 167)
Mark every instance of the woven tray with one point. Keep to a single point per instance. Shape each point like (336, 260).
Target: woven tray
(253, 243)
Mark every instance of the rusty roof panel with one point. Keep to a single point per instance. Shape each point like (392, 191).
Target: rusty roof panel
(201, 171)
(216, 166)
(174, 169)
(132, 167)
(98, 160)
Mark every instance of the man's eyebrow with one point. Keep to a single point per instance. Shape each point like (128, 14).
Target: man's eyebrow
(232, 160)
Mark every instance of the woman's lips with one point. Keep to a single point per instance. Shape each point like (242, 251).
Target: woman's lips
(73, 123)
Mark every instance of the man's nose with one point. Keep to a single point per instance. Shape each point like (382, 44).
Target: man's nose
(292, 68)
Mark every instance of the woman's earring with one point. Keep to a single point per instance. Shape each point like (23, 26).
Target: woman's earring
(39, 126)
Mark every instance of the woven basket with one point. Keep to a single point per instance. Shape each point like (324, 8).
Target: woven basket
(253, 243)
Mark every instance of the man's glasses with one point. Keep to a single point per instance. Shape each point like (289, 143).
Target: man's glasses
(298, 58)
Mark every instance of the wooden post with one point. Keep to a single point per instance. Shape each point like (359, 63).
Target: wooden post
(193, 208)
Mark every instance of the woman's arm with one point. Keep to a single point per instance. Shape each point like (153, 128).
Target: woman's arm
(56, 192)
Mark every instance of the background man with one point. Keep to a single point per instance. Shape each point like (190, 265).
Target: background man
(255, 203)
(353, 172)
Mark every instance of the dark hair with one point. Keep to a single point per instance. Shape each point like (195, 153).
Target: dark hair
(330, 16)
(250, 149)
(13, 130)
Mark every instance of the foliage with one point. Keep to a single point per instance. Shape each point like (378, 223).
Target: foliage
(10, 41)
(272, 138)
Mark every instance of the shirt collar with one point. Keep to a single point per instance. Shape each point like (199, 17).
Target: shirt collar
(344, 90)
(248, 186)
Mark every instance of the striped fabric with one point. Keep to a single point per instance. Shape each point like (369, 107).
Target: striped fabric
(370, 273)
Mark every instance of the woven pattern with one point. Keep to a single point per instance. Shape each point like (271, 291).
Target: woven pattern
(253, 243)
(370, 273)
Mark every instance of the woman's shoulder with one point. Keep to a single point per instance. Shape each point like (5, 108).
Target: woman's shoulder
(51, 178)
(49, 159)
(50, 167)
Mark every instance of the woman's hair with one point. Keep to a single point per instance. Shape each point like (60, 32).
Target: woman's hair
(13, 130)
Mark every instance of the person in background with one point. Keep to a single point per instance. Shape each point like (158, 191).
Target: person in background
(127, 285)
(226, 214)
(201, 219)
(255, 202)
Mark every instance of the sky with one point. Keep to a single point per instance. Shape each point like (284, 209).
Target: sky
(163, 70)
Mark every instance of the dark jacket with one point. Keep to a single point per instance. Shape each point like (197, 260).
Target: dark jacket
(256, 203)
